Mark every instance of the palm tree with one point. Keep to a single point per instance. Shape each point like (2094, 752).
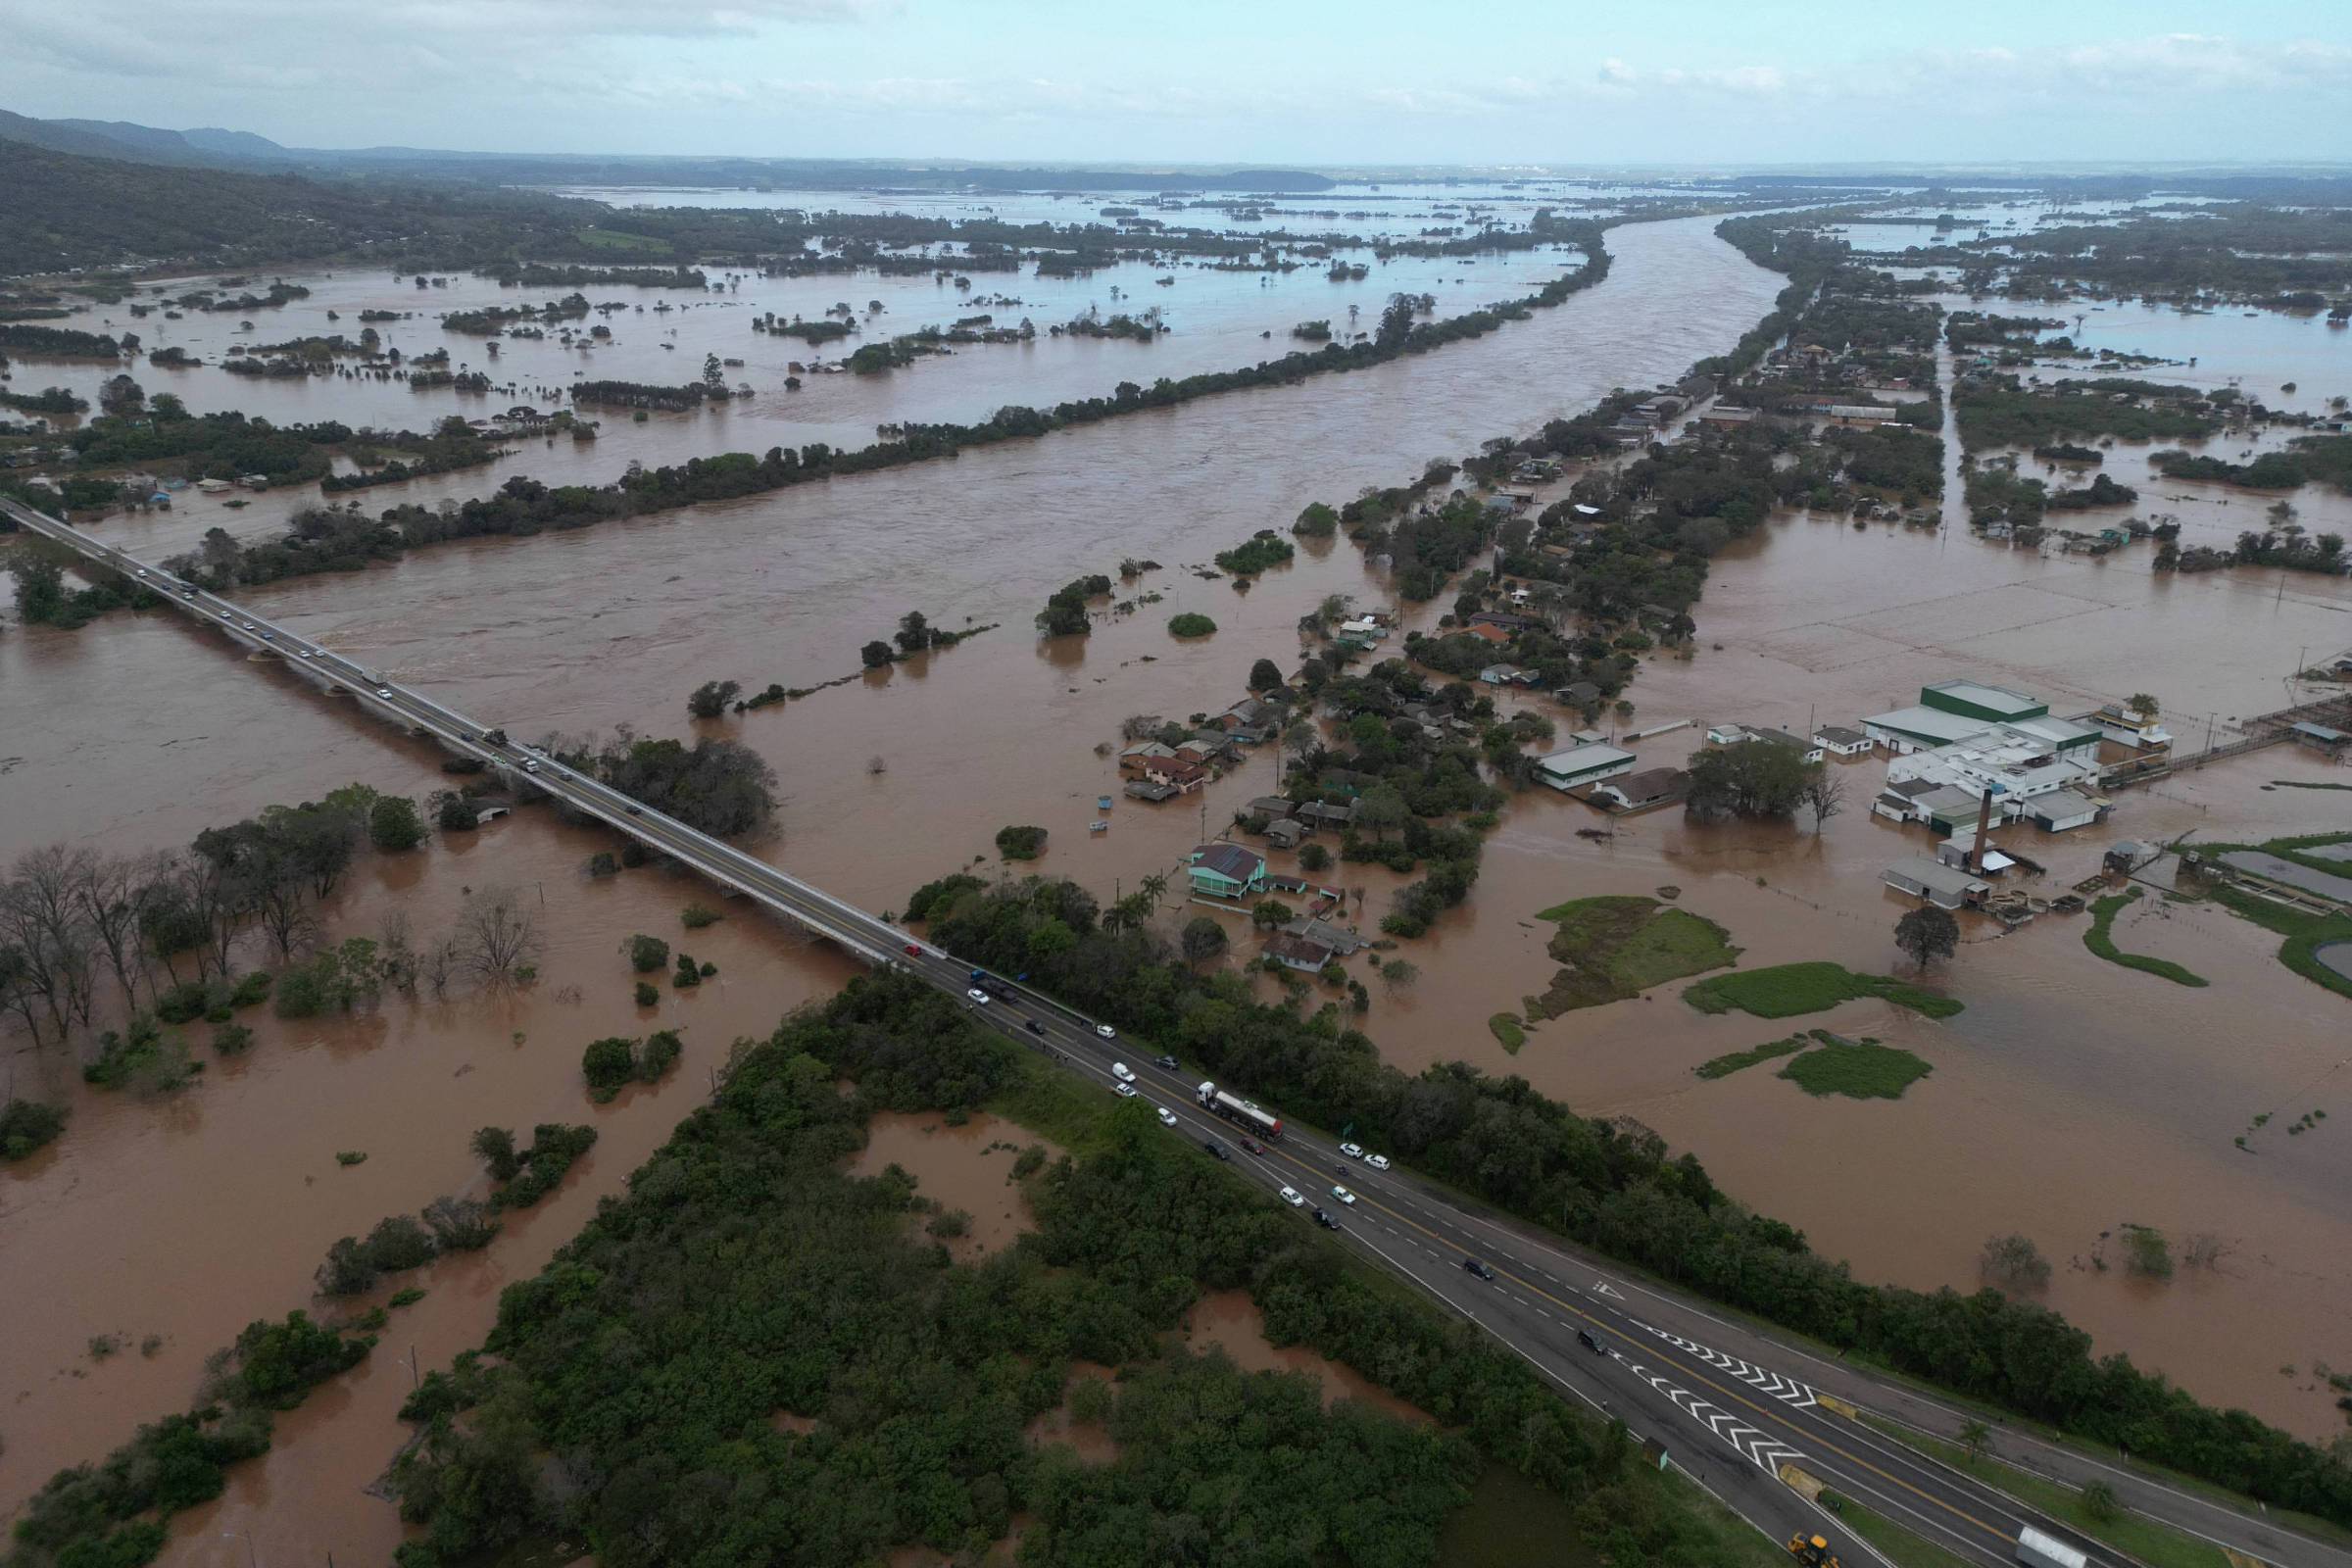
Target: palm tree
(1975, 1438)
(1153, 887)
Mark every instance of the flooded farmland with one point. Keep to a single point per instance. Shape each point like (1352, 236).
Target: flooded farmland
(2070, 1098)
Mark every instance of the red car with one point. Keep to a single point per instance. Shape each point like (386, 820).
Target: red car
(914, 949)
(1253, 1145)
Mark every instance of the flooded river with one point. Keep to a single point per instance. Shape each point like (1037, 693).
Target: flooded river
(2071, 1097)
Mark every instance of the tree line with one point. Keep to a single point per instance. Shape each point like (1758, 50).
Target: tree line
(1619, 1193)
(326, 541)
(117, 1513)
(157, 938)
(747, 1274)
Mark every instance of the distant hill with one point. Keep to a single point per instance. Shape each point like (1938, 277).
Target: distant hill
(90, 139)
(66, 211)
(214, 148)
(238, 144)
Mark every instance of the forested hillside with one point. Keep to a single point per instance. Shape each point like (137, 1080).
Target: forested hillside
(66, 211)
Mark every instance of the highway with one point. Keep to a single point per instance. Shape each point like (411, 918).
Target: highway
(1721, 1401)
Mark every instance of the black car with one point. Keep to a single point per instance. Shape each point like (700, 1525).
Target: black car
(634, 811)
(1474, 1266)
(1215, 1147)
(1326, 1221)
(1168, 1063)
(1034, 1026)
(1584, 1337)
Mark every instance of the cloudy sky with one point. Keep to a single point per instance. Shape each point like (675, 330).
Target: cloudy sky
(1270, 81)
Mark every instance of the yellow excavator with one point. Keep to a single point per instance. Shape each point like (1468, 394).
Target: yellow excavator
(1813, 1552)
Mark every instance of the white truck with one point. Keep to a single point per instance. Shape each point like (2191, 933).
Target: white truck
(2039, 1551)
(1233, 1109)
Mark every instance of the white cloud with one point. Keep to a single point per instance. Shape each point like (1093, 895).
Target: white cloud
(762, 76)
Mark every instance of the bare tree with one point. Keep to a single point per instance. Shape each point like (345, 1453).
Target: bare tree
(439, 967)
(496, 936)
(18, 992)
(212, 897)
(1824, 795)
(41, 918)
(109, 907)
(261, 874)
(395, 952)
(2203, 1249)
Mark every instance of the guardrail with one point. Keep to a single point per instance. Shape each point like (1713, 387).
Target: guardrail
(844, 923)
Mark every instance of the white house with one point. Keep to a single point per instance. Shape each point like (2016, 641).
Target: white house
(1578, 765)
(2129, 726)
(1839, 741)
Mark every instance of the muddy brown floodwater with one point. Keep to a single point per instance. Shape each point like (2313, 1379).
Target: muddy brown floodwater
(1231, 1322)
(968, 1167)
(2072, 1095)
(189, 1218)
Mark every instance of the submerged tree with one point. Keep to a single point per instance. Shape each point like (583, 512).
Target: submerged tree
(2014, 1260)
(497, 936)
(1927, 933)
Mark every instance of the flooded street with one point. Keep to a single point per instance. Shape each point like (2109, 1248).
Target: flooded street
(2072, 1096)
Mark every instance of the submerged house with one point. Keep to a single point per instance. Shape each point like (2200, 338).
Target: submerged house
(1947, 887)
(1640, 792)
(1226, 870)
(1576, 767)
(1299, 953)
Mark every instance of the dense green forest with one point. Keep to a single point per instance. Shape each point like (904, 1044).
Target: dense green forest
(1504, 1142)
(746, 1275)
(2000, 411)
(2246, 252)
